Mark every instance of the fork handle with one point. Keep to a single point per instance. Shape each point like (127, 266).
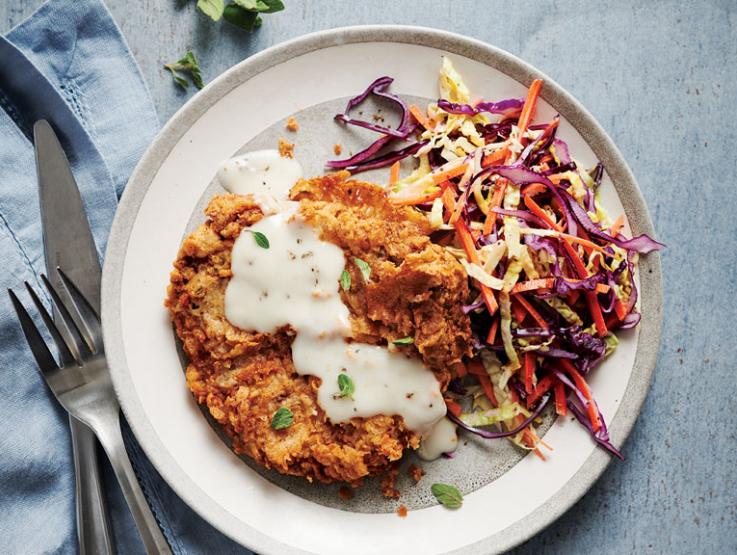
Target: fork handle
(93, 523)
(111, 439)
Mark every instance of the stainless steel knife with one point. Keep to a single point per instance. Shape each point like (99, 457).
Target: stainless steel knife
(68, 244)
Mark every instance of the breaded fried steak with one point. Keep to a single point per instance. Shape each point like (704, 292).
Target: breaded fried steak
(416, 289)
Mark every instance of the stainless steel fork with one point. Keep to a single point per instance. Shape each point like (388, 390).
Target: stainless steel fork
(81, 383)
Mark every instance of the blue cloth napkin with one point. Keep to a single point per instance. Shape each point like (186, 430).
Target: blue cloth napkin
(68, 63)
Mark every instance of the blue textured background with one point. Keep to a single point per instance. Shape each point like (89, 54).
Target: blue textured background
(660, 77)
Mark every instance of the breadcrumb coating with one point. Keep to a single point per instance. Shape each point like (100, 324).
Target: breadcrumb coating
(416, 290)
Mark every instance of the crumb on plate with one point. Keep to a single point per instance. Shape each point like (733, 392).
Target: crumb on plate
(415, 472)
(292, 125)
(337, 149)
(286, 149)
(345, 493)
(389, 483)
(402, 511)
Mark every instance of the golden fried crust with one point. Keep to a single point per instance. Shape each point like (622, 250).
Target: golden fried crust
(243, 377)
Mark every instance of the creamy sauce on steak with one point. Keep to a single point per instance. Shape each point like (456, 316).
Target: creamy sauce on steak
(295, 282)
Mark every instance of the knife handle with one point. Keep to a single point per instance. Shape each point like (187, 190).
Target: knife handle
(93, 522)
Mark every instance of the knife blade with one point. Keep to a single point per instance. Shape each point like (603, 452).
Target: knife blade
(67, 238)
(68, 243)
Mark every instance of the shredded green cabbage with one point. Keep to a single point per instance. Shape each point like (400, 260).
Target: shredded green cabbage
(611, 343)
(505, 310)
(566, 312)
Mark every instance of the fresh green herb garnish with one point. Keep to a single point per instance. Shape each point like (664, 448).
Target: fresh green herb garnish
(212, 8)
(261, 239)
(345, 280)
(242, 18)
(404, 341)
(241, 13)
(261, 6)
(447, 495)
(364, 268)
(187, 63)
(282, 418)
(346, 385)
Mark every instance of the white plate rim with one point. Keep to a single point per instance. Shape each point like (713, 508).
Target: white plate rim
(569, 108)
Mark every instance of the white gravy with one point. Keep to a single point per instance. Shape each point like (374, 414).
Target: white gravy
(262, 172)
(442, 438)
(295, 282)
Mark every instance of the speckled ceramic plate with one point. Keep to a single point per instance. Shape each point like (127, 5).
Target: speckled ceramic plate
(508, 496)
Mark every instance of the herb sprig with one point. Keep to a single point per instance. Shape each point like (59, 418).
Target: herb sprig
(187, 63)
(447, 495)
(364, 268)
(261, 239)
(282, 418)
(244, 14)
(404, 341)
(345, 280)
(346, 386)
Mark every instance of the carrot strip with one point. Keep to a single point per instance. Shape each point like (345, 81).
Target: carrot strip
(449, 201)
(529, 372)
(528, 436)
(557, 177)
(518, 312)
(587, 244)
(470, 248)
(533, 207)
(598, 317)
(453, 408)
(496, 202)
(534, 313)
(488, 389)
(528, 110)
(495, 157)
(444, 175)
(542, 387)
(467, 241)
(414, 199)
(573, 297)
(602, 288)
(419, 116)
(534, 189)
(475, 367)
(525, 118)
(531, 285)
(394, 173)
(491, 337)
(620, 309)
(585, 389)
(591, 300)
(560, 399)
(617, 225)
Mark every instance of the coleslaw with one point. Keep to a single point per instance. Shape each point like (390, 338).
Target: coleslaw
(551, 274)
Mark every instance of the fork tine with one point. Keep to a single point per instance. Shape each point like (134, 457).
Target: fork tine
(79, 346)
(65, 354)
(41, 353)
(87, 315)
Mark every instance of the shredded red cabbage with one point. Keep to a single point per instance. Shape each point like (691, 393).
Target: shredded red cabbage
(602, 436)
(496, 435)
(385, 159)
(507, 107)
(363, 161)
(564, 286)
(642, 243)
(378, 88)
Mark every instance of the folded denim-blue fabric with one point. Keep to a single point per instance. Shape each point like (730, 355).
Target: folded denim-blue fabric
(67, 63)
